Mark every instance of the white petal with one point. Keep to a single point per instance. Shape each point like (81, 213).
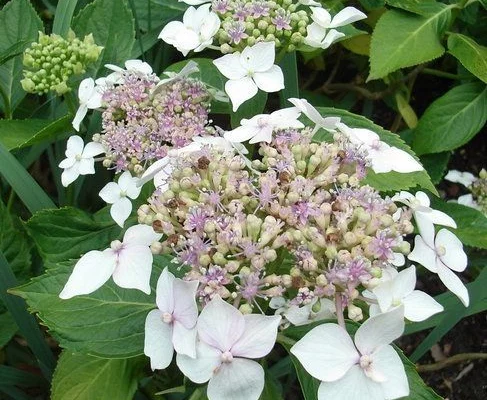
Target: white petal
(158, 166)
(374, 310)
(90, 273)
(422, 198)
(419, 306)
(384, 295)
(95, 101)
(270, 81)
(86, 89)
(165, 291)
(298, 315)
(326, 352)
(402, 161)
(315, 34)
(86, 166)
(440, 218)
(128, 184)
(257, 326)
(321, 16)
(425, 226)
(404, 283)
(140, 234)
(134, 268)
(110, 193)
(239, 380)
(138, 66)
(347, 16)
(380, 330)
(453, 283)
(263, 135)
(388, 362)
(353, 386)
(185, 308)
(200, 369)
(67, 163)
(240, 90)
(184, 340)
(332, 36)
(241, 134)
(307, 109)
(158, 341)
(80, 114)
(120, 210)
(230, 67)
(220, 325)
(398, 259)
(259, 57)
(467, 200)
(92, 149)
(465, 178)
(74, 146)
(69, 175)
(423, 254)
(454, 257)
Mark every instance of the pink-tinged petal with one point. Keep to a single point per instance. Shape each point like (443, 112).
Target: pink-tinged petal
(240, 379)
(93, 149)
(69, 175)
(67, 163)
(165, 292)
(134, 268)
(240, 90)
(259, 57)
(380, 330)
(184, 340)
(257, 326)
(185, 308)
(454, 257)
(404, 283)
(89, 274)
(86, 89)
(220, 325)
(387, 361)
(230, 67)
(110, 193)
(326, 352)
(86, 166)
(347, 16)
(120, 210)
(142, 235)
(271, 80)
(453, 283)
(440, 218)
(353, 386)
(384, 295)
(80, 115)
(74, 146)
(201, 368)
(423, 254)
(241, 134)
(158, 341)
(419, 306)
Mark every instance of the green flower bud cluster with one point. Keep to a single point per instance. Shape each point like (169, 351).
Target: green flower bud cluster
(52, 60)
(246, 22)
(479, 191)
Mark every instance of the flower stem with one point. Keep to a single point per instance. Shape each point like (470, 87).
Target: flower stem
(458, 358)
(339, 310)
(284, 340)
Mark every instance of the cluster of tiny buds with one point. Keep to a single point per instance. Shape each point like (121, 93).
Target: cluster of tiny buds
(479, 191)
(246, 22)
(233, 224)
(52, 60)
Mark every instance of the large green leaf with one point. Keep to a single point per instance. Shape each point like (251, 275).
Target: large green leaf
(401, 39)
(107, 323)
(62, 17)
(472, 55)
(392, 181)
(112, 25)
(452, 120)
(18, 22)
(160, 11)
(8, 327)
(471, 223)
(15, 134)
(421, 7)
(60, 240)
(82, 377)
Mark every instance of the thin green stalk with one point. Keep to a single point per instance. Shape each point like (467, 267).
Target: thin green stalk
(26, 322)
(441, 74)
(284, 340)
(6, 103)
(10, 201)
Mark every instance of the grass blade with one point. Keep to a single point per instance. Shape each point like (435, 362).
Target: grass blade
(22, 183)
(63, 16)
(26, 322)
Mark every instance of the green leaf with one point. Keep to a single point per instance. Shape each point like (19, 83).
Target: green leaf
(14, 244)
(83, 377)
(421, 7)
(8, 328)
(391, 181)
(452, 120)
(210, 75)
(161, 12)
(58, 241)
(472, 55)
(63, 16)
(11, 33)
(402, 40)
(290, 71)
(112, 25)
(436, 165)
(16, 134)
(107, 323)
(271, 389)
(22, 183)
(471, 223)
(12, 51)
(13, 376)
(249, 108)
